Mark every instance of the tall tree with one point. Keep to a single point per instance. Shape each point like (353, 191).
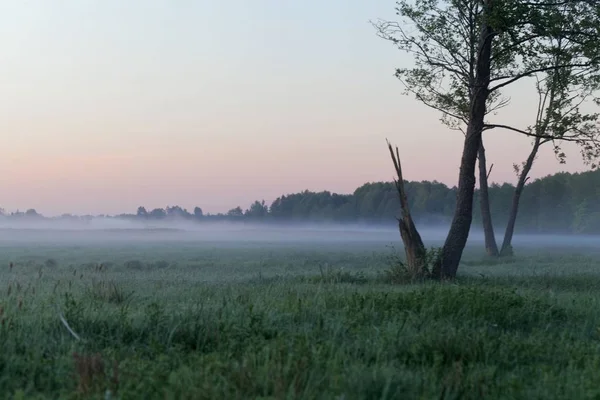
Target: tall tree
(141, 212)
(562, 92)
(258, 209)
(446, 52)
(465, 52)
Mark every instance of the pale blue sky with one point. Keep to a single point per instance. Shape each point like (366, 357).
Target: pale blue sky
(110, 104)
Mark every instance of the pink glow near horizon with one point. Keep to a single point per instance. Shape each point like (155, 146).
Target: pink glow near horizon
(157, 107)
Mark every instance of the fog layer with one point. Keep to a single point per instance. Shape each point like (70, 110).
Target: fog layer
(99, 230)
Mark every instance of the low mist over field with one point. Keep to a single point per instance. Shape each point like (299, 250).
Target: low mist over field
(108, 230)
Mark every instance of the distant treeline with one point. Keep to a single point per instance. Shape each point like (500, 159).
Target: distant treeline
(560, 203)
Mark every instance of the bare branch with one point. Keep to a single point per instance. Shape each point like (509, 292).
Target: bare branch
(384, 26)
(573, 138)
(490, 172)
(526, 74)
(429, 104)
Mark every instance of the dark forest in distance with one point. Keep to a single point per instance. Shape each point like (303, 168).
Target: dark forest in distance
(559, 203)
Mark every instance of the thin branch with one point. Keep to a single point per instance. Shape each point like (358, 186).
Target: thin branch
(501, 104)
(490, 172)
(515, 44)
(456, 56)
(557, 3)
(431, 60)
(533, 71)
(428, 104)
(574, 138)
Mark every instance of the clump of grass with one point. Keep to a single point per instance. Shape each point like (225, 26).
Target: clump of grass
(332, 275)
(269, 280)
(92, 377)
(491, 261)
(161, 264)
(140, 265)
(134, 265)
(109, 292)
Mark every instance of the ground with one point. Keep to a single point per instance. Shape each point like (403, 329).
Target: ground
(266, 320)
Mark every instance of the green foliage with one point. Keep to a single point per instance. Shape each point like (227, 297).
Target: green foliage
(558, 40)
(548, 205)
(235, 212)
(258, 209)
(442, 39)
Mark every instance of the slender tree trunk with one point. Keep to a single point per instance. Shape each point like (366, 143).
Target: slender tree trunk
(491, 247)
(447, 265)
(507, 249)
(413, 244)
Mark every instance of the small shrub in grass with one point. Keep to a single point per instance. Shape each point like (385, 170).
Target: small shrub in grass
(399, 273)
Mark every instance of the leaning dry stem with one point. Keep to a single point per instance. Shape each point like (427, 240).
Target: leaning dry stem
(66, 324)
(413, 244)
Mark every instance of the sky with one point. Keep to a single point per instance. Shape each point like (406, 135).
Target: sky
(108, 105)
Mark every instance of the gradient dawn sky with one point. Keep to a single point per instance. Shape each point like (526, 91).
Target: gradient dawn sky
(110, 104)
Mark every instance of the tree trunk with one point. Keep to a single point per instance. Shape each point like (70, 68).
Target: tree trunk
(491, 247)
(447, 265)
(414, 248)
(507, 249)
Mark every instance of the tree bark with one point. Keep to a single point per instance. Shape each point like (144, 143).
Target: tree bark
(447, 265)
(491, 247)
(507, 249)
(413, 244)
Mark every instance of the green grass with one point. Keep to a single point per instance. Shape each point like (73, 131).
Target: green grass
(303, 322)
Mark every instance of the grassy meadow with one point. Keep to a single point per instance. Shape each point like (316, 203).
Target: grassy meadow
(211, 320)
